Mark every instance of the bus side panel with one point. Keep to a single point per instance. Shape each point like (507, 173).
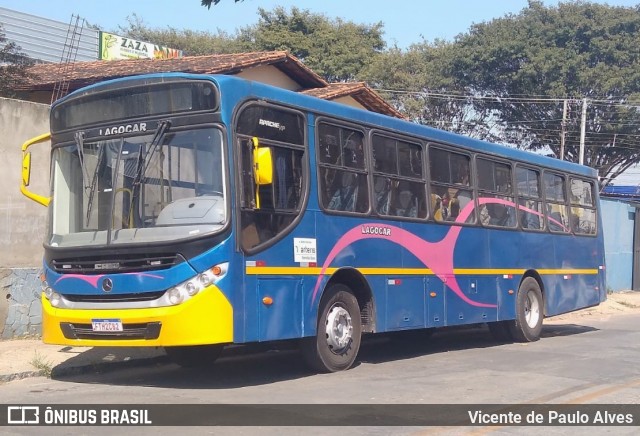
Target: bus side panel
(405, 302)
(568, 292)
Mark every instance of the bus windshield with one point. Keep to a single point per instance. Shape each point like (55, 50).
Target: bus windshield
(138, 189)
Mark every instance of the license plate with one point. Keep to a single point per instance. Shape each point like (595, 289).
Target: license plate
(106, 325)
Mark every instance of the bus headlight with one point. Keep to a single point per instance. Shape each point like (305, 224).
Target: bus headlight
(48, 292)
(175, 296)
(55, 299)
(191, 287)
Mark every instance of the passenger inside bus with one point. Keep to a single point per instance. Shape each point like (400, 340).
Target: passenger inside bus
(406, 204)
(382, 191)
(346, 195)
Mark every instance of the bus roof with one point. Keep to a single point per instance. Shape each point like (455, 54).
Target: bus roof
(329, 108)
(338, 110)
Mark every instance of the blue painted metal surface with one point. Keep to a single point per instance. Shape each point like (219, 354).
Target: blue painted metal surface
(618, 229)
(420, 274)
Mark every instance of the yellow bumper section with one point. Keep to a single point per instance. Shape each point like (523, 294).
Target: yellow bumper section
(206, 318)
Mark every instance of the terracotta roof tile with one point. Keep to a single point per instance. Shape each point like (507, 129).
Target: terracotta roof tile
(83, 73)
(360, 92)
(43, 77)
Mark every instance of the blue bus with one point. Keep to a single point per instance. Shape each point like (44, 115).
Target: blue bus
(192, 212)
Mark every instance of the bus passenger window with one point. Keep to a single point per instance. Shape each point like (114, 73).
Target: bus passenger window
(583, 212)
(530, 210)
(450, 193)
(495, 186)
(557, 215)
(343, 181)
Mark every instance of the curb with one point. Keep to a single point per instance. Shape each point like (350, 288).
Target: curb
(6, 378)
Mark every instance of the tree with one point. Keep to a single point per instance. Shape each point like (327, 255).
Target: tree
(13, 65)
(413, 82)
(571, 51)
(208, 3)
(191, 42)
(335, 49)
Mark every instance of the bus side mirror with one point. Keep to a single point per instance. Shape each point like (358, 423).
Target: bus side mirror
(26, 170)
(262, 167)
(262, 164)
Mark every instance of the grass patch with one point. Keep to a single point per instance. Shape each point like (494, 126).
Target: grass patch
(41, 364)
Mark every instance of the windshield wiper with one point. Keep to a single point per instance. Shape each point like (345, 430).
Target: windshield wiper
(79, 140)
(153, 145)
(94, 180)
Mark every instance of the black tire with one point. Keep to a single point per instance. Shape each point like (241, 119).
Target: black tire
(529, 312)
(500, 331)
(332, 353)
(194, 356)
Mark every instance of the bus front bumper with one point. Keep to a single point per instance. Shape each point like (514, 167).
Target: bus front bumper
(206, 318)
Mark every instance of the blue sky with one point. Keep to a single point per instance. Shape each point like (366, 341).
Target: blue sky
(405, 21)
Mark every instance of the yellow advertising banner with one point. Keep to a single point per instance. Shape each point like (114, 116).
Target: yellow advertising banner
(119, 47)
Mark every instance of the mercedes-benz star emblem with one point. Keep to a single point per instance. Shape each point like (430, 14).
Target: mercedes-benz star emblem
(107, 285)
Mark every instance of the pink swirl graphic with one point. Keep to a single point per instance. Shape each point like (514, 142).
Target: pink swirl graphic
(437, 256)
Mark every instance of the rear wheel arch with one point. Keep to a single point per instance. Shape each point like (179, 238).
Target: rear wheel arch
(538, 278)
(359, 286)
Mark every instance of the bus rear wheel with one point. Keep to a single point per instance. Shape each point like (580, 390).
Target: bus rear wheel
(529, 312)
(338, 334)
(194, 356)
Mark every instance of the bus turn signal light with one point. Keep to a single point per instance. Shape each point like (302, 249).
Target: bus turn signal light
(267, 301)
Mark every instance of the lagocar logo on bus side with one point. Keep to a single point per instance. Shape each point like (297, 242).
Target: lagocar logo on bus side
(126, 128)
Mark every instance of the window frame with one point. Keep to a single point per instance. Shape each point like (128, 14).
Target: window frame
(494, 192)
(237, 139)
(539, 199)
(471, 186)
(593, 207)
(548, 202)
(320, 166)
(397, 176)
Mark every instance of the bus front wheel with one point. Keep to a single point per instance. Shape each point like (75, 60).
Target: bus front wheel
(194, 356)
(529, 312)
(339, 330)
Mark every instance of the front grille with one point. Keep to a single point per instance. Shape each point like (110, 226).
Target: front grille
(113, 298)
(119, 264)
(149, 330)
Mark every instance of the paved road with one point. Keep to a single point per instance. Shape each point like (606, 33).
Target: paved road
(577, 361)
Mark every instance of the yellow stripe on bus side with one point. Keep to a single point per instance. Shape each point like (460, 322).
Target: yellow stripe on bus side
(314, 271)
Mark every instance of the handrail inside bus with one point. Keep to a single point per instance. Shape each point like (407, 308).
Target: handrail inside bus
(26, 170)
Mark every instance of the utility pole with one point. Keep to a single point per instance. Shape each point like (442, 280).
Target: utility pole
(583, 130)
(564, 128)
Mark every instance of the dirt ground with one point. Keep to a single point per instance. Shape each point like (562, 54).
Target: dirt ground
(617, 303)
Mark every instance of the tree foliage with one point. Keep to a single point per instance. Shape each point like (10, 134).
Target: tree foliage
(504, 80)
(575, 50)
(191, 42)
(13, 65)
(335, 49)
(208, 3)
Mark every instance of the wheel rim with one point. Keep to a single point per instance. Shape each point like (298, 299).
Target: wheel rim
(338, 329)
(532, 310)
